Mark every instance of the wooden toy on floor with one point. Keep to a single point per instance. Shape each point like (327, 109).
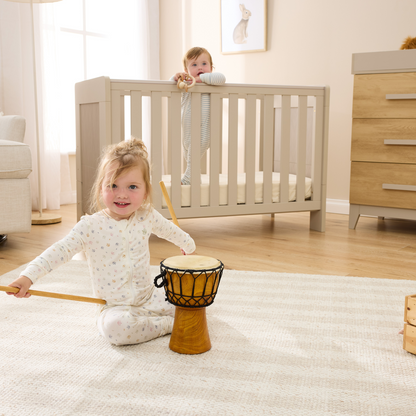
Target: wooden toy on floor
(409, 332)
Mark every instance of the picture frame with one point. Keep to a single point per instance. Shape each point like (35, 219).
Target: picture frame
(243, 26)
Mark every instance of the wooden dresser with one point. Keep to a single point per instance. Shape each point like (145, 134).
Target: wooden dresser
(383, 148)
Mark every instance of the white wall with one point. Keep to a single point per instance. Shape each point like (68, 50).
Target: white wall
(310, 42)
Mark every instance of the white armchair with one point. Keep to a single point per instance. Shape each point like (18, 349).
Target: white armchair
(15, 167)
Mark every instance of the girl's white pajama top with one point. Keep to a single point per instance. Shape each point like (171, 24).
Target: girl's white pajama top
(118, 257)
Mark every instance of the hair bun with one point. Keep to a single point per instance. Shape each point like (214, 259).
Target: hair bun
(134, 146)
(136, 142)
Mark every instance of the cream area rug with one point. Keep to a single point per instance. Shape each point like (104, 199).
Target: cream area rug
(282, 344)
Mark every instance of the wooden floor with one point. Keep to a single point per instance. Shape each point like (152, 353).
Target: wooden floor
(377, 248)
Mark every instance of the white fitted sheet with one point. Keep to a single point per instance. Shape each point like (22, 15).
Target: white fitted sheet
(241, 191)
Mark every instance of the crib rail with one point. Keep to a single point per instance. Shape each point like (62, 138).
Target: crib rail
(253, 128)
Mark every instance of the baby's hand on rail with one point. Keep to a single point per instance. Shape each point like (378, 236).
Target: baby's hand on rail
(180, 75)
(23, 283)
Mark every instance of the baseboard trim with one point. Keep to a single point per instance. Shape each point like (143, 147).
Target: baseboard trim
(338, 206)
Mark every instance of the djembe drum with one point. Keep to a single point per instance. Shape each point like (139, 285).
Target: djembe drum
(191, 283)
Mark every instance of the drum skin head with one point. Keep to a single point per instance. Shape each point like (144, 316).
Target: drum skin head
(191, 262)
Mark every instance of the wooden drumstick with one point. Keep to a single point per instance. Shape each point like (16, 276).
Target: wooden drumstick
(168, 203)
(55, 295)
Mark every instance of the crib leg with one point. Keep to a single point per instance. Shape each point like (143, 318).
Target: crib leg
(272, 216)
(317, 220)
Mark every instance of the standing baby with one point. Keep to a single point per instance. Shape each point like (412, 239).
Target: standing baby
(197, 62)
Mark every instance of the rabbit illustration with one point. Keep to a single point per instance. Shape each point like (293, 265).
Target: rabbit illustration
(240, 32)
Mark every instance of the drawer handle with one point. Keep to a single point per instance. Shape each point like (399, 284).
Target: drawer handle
(394, 187)
(400, 96)
(399, 142)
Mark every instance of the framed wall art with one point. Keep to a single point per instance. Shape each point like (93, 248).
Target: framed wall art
(243, 26)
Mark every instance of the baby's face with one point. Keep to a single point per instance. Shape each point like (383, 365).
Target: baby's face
(198, 66)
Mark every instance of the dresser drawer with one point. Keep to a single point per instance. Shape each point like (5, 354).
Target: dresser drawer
(369, 179)
(384, 140)
(370, 93)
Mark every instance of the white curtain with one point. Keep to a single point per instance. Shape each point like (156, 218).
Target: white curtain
(49, 110)
(131, 51)
(17, 94)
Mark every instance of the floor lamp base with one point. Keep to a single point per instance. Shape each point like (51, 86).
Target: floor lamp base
(45, 219)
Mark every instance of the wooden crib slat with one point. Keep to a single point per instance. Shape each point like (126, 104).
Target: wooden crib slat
(317, 153)
(195, 150)
(116, 119)
(232, 148)
(156, 146)
(174, 137)
(301, 148)
(268, 144)
(261, 133)
(250, 148)
(221, 136)
(215, 158)
(285, 149)
(122, 115)
(136, 114)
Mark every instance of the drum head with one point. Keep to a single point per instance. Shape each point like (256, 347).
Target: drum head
(192, 262)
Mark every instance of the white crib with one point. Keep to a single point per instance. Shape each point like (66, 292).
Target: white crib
(268, 148)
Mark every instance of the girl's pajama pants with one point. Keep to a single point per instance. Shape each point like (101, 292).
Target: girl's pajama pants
(123, 325)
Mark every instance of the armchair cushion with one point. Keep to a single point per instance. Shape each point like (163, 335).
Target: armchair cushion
(15, 160)
(12, 128)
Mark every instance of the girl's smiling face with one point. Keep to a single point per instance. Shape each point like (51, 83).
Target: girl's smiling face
(198, 66)
(126, 194)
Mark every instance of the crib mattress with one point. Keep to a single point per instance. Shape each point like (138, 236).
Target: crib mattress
(241, 189)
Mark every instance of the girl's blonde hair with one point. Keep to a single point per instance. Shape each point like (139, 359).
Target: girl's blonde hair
(194, 53)
(127, 154)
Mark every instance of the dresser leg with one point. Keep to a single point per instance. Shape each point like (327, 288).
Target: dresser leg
(354, 216)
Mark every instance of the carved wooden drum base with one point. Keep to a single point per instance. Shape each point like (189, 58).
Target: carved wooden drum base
(190, 331)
